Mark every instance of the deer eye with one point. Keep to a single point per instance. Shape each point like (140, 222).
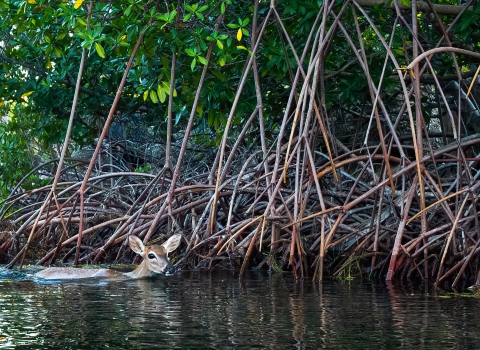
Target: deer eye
(151, 256)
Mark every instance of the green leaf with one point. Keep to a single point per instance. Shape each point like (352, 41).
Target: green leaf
(81, 21)
(220, 44)
(233, 25)
(190, 52)
(58, 52)
(222, 8)
(245, 22)
(128, 10)
(161, 93)
(468, 20)
(200, 16)
(100, 50)
(202, 60)
(153, 96)
(192, 65)
(172, 15)
(166, 87)
(203, 8)
(82, 35)
(163, 17)
(187, 17)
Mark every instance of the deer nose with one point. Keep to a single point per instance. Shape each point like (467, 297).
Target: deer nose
(169, 270)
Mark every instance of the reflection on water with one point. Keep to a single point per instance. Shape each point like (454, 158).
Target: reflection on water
(217, 311)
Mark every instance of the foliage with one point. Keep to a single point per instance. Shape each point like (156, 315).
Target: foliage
(41, 43)
(13, 163)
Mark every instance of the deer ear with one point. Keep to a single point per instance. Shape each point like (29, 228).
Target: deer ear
(136, 244)
(172, 243)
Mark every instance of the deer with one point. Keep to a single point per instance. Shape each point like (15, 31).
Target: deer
(155, 261)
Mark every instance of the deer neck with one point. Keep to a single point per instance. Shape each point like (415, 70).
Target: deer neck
(141, 271)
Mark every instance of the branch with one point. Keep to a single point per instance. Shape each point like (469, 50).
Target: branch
(421, 6)
(440, 50)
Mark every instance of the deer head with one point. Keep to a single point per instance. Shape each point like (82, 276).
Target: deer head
(155, 257)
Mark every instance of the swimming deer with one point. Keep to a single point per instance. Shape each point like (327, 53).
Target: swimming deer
(155, 261)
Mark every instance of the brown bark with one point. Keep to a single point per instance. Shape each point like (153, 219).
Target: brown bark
(421, 6)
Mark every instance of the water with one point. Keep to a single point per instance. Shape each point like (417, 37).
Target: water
(217, 311)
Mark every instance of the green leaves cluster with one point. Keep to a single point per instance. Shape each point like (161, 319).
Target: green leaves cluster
(93, 38)
(14, 158)
(195, 10)
(242, 30)
(163, 89)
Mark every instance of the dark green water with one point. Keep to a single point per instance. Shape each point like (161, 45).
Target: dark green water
(217, 311)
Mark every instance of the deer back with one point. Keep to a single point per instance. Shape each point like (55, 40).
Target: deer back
(155, 262)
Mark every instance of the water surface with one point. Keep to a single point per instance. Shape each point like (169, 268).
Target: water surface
(193, 310)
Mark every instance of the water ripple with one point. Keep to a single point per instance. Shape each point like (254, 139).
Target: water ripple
(217, 311)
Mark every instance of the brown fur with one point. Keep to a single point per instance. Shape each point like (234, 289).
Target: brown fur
(155, 262)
